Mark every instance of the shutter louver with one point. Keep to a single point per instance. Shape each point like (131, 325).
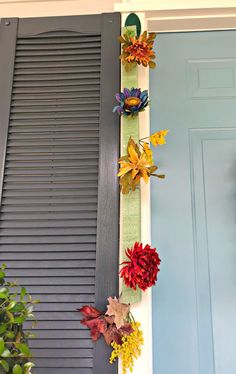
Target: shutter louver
(48, 218)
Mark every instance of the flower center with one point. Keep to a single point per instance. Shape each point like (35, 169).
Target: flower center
(132, 101)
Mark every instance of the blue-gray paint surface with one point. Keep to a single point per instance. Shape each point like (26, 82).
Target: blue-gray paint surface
(193, 94)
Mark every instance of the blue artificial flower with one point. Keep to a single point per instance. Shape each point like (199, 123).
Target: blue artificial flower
(131, 102)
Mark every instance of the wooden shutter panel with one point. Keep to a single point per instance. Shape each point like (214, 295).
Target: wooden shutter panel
(59, 193)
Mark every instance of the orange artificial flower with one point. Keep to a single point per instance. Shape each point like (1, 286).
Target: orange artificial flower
(138, 50)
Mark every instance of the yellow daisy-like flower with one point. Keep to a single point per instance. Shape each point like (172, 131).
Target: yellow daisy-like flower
(158, 138)
(134, 166)
(130, 349)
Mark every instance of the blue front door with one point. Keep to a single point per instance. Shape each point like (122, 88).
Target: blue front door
(193, 93)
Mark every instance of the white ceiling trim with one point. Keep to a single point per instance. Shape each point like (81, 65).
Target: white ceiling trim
(152, 5)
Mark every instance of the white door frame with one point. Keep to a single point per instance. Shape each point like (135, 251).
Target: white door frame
(167, 16)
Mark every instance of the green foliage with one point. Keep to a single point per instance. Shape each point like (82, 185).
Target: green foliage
(16, 306)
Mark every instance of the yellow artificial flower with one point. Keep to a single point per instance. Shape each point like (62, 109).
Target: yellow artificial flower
(158, 138)
(130, 349)
(136, 163)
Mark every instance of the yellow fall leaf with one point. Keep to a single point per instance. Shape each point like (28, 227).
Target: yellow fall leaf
(158, 138)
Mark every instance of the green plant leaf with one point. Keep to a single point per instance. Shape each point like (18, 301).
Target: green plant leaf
(3, 328)
(2, 346)
(10, 316)
(23, 293)
(2, 274)
(4, 290)
(24, 349)
(11, 305)
(19, 320)
(17, 369)
(4, 365)
(27, 367)
(18, 308)
(10, 335)
(6, 353)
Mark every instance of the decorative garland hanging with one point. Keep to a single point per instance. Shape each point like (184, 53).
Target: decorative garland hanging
(140, 269)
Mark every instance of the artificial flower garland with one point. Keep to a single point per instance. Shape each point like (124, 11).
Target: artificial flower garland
(137, 50)
(119, 329)
(138, 162)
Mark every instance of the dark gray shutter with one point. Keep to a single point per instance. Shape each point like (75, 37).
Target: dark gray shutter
(59, 194)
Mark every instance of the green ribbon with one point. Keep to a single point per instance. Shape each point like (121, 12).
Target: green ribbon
(131, 207)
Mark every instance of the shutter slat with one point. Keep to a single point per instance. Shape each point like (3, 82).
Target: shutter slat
(67, 353)
(48, 157)
(37, 165)
(62, 90)
(90, 99)
(51, 171)
(60, 71)
(54, 281)
(66, 334)
(49, 223)
(58, 40)
(32, 273)
(31, 86)
(55, 77)
(52, 325)
(49, 150)
(55, 114)
(57, 107)
(48, 193)
(93, 50)
(47, 239)
(65, 362)
(54, 122)
(22, 47)
(62, 371)
(51, 343)
(44, 131)
(76, 94)
(43, 66)
(62, 58)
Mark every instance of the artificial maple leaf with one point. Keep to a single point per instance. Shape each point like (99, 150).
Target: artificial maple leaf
(94, 320)
(97, 327)
(112, 334)
(118, 310)
(89, 311)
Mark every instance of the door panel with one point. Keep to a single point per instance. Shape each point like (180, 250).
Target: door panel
(193, 210)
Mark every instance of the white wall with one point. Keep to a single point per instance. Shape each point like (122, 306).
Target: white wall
(39, 8)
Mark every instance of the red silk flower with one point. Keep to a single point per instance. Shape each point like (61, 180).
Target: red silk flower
(142, 267)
